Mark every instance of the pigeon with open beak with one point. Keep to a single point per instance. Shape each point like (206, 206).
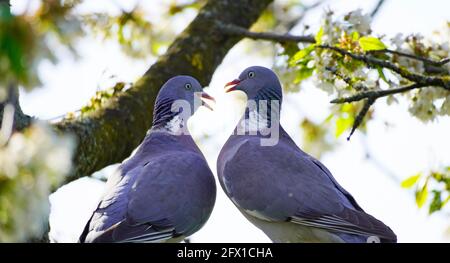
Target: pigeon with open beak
(165, 191)
(288, 194)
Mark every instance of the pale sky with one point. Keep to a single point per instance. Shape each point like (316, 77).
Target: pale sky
(404, 149)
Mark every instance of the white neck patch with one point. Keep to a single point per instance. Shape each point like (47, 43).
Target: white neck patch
(254, 123)
(176, 125)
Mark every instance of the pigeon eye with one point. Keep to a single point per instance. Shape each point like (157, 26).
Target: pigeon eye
(188, 86)
(251, 74)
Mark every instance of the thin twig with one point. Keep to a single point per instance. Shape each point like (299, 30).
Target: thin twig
(418, 80)
(376, 94)
(443, 82)
(372, 61)
(377, 8)
(270, 36)
(346, 79)
(304, 12)
(239, 31)
(359, 118)
(425, 60)
(370, 97)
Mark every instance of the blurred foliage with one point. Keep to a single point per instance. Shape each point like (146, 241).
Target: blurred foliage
(432, 188)
(32, 163)
(35, 161)
(41, 33)
(25, 39)
(344, 116)
(316, 139)
(176, 7)
(138, 37)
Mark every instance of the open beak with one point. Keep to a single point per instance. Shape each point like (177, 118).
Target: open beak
(230, 86)
(205, 95)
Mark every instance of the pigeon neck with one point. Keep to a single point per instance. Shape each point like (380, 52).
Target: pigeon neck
(167, 120)
(269, 94)
(264, 108)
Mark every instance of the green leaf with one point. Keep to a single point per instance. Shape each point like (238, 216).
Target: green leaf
(301, 55)
(371, 43)
(381, 74)
(302, 74)
(410, 181)
(318, 36)
(436, 202)
(348, 108)
(290, 48)
(422, 195)
(329, 118)
(355, 36)
(342, 124)
(446, 200)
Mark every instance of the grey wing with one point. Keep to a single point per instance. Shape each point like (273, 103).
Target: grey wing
(171, 197)
(336, 184)
(279, 184)
(112, 208)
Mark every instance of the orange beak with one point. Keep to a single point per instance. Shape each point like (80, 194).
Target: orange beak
(230, 86)
(205, 95)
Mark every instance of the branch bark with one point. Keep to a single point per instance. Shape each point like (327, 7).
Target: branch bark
(376, 94)
(110, 133)
(21, 120)
(411, 56)
(234, 30)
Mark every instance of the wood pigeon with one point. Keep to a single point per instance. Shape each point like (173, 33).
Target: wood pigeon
(165, 191)
(288, 194)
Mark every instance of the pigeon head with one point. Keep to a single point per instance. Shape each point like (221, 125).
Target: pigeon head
(258, 83)
(179, 95)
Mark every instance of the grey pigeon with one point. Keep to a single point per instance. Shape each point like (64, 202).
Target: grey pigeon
(289, 195)
(165, 191)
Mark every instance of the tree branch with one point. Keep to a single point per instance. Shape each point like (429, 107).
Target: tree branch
(234, 30)
(425, 60)
(359, 118)
(418, 80)
(370, 97)
(306, 9)
(109, 134)
(21, 120)
(443, 82)
(376, 94)
(5, 2)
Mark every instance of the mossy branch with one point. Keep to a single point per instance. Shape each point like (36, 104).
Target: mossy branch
(109, 134)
